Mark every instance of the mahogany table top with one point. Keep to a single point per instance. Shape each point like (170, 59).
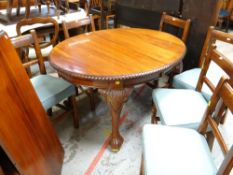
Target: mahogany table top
(116, 54)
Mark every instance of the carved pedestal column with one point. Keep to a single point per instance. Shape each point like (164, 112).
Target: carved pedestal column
(115, 99)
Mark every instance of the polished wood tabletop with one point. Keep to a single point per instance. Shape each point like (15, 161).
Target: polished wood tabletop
(116, 54)
(114, 61)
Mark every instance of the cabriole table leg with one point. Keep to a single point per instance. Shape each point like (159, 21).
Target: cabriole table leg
(115, 99)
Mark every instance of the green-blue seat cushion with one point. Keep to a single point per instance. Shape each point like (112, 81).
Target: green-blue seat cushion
(177, 151)
(51, 90)
(179, 107)
(188, 79)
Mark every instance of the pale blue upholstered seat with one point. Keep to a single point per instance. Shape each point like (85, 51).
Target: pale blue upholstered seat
(52, 90)
(177, 151)
(179, 107)
(188, 79)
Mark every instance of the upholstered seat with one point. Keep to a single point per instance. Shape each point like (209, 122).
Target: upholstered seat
(164, 147)
(52, 90)
(188, 79)
(168, 104)
(186, 107)
(180, 151)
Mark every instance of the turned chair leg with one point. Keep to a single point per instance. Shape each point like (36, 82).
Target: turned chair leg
(154, 118)
(75, 115)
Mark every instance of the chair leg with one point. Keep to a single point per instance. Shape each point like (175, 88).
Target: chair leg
(154, 118)
(210, 139)
(142, 167)
(50, 111)
(92, 98)
(75, 115)
(227, 24)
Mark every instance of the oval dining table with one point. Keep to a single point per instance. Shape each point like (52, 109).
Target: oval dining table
(114, 61)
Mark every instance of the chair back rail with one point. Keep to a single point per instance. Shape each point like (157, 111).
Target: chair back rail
(40, 20)
(25, 41)
(223, 93)
(177, 22)
(67, 25)
(222, 61)
(212, 36)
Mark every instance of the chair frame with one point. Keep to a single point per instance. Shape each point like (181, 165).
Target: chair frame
(31, 39)
(177, 22)
(67, 25)
(109, 13)
(223, 93)
(220, 60)
(44, 21)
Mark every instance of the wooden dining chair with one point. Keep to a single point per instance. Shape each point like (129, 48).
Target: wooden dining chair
(47, 30)
(182, 27)
(185, 107)
(81, 26)
(181, 151)
(105, 11)
(78, 24)
(176, 22)
(189, 78)
(50, 90)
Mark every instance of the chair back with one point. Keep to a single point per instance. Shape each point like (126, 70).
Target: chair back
(222, 94)
(212, 36)
(45, 26)
(22, 43)
(221, 60)
(85, 22)
(96, 3)
(176, 22)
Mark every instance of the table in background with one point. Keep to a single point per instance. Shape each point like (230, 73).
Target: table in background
(114, 61)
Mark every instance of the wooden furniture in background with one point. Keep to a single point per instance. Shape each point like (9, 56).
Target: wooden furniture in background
(114, 61)
(48, 38)
(26, 134)
(78, 24)
(105, 11)
(176, 150)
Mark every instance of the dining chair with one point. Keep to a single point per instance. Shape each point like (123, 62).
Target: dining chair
(105, 11)
(225, 14)
(185, 107)
(47, 30)
(180, 151)
(189, 78)
(182, 26)
(176, 22)
(81, 26)
(52, 91)
(78, 24)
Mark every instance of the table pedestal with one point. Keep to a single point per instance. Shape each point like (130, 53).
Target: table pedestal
(115, 99)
